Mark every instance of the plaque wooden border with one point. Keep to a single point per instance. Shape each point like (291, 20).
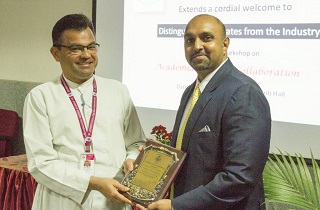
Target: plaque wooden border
(139, 193)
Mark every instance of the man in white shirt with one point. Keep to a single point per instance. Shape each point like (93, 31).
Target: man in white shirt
(76, 118)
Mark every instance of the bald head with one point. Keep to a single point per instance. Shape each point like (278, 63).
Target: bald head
(205, 44)
(209, 18)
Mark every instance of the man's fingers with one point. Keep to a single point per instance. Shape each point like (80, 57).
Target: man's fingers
(121, 187)
(140, 207)
(141, 147)
(121, 198)
(128, 165)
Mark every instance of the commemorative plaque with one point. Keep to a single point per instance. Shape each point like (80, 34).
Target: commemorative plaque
(154, 171)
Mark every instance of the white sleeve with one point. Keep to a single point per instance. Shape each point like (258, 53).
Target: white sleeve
(134, 135)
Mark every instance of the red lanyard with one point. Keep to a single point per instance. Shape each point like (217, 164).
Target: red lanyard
(87, 134)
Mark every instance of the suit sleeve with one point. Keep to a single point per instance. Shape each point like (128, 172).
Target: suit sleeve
(245, 136)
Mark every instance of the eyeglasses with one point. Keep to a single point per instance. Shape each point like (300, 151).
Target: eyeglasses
(78, 49)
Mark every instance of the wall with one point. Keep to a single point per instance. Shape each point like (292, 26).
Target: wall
(12, 97)
(26, 36)
(25, 49)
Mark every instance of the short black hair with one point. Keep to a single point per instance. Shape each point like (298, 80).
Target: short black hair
(77, 22)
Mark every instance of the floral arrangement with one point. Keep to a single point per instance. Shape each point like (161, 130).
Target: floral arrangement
(161, 134)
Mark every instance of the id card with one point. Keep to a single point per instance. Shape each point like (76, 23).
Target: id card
(87, 163)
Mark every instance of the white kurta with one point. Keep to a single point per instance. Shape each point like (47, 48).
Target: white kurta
(54, 141)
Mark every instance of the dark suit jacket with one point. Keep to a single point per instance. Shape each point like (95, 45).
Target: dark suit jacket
(223, 168)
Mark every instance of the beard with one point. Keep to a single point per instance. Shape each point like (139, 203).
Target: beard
(200, 66)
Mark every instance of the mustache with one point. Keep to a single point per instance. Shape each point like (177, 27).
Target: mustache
(198, 54)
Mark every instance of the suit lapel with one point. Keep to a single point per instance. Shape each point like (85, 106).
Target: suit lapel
(203, 100)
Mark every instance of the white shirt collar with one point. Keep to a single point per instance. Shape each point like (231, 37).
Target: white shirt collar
(206, 80)
(74, 85)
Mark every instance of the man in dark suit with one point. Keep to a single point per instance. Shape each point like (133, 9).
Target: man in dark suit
(227, 134)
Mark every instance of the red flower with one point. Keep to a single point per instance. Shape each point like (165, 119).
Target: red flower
(168, 136)
(161, 134)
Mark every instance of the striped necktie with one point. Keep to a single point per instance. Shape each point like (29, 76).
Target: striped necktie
(195, 96)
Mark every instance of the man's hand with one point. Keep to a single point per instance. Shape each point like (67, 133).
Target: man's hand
(128, 165)
(164, 204)
(109, 188)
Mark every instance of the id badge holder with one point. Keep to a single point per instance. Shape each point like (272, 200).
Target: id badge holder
(87, 163)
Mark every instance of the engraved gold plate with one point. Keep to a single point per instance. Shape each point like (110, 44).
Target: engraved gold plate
(154, 171)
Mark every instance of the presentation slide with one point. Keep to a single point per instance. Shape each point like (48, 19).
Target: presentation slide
(275, 42)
